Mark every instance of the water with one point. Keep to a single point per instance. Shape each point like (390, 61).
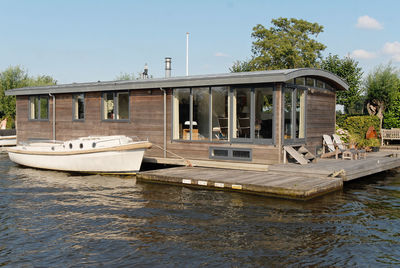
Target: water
(55, 219)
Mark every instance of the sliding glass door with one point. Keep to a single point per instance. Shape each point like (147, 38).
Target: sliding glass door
(294, 116)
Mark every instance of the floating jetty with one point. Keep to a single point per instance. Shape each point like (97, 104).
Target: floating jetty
(291, 181)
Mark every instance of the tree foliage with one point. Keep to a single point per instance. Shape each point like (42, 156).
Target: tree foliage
(125, 76)
(17, 77)
(289, 43)
(347, 69)
(382, 87)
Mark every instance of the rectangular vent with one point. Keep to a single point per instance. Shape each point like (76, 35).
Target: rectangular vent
(240, 154)
(223, 153)
(220, 153)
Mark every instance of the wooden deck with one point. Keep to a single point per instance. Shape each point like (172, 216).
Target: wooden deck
(287, 180)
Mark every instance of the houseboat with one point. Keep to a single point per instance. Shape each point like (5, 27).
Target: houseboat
(233, 119)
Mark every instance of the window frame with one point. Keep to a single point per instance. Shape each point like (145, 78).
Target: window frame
(38, 108)
(115, 108)
(252, 139)
(74, 99)
(293, 89)
(230, 96)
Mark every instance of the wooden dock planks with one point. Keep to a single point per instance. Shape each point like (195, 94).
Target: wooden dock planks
(292, 181)
(264, 183)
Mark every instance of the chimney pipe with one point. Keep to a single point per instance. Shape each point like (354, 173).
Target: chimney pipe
(167, 67)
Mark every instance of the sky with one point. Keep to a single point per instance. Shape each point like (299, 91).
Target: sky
(97, 40)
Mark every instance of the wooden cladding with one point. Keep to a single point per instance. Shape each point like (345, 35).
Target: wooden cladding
(146, 121)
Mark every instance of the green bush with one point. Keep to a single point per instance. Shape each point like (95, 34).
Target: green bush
(341, 119)
(356, 128)
(358, 125)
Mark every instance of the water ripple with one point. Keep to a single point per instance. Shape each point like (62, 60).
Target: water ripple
(55, 219)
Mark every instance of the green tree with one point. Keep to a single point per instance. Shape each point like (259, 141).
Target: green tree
(392, 116)
(17, 77)
(125, 76)
(347, 69)
(382, 88)
(289, 43)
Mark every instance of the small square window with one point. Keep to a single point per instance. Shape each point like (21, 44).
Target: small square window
(39, 107)
(115, 106)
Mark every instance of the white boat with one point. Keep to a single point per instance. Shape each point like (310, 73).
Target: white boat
(93, 154)
(8, 137)
(8, 140)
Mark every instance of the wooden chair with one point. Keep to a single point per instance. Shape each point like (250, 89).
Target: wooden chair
(244, 127)
(330, 146)
(348, 153)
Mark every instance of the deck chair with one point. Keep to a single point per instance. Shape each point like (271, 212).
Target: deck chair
(348, 152)
(332, 149)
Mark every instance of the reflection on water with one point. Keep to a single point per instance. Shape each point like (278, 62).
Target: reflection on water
(58, 219)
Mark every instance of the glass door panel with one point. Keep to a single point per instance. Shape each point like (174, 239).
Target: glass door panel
(264, 113)
(241, 126)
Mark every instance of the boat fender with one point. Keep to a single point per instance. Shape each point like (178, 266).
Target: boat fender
(81, 146)
(70, 145)
(93, 145)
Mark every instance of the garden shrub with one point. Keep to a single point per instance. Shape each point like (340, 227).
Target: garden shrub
(356, 128)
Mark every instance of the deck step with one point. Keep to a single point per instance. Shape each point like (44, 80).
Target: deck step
(296, 155)
(301, 154)
(302, 150)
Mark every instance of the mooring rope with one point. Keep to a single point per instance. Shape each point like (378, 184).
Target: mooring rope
(186, 161)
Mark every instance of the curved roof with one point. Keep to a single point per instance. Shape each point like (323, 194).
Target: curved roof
(188, 81)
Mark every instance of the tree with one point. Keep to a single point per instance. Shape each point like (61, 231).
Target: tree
(347, 69)
(12, 77)
(392, 116)
(382, 87)
(17, 77)
(241, 66)
(125, 76)
(287, 44)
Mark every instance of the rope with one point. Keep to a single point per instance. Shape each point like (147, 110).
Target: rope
(186, 161)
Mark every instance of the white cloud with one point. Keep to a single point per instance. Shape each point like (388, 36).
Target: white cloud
(396, 58)
(366, 22)
(220, 54)
(392, 49)
(362, 54)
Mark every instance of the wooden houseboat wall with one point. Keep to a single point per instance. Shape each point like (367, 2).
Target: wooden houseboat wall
(302, 110)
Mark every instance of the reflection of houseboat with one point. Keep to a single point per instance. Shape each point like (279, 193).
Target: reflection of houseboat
(235, 117)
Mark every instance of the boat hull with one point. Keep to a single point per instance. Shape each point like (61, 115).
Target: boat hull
(99, 162)
(8, 140)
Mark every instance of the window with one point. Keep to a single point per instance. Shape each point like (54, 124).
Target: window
(115, 106)
(294, 113)
(78, 107)
(201, 108)
(242, 113)
(264, 113)
(181, 114)
(219, 113)
(39, 107)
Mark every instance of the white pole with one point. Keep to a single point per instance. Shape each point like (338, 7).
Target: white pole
(187, 54)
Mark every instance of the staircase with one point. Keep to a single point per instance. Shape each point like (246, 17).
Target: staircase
(299, 154)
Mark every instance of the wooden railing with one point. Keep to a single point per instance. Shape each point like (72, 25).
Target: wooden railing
(390, 134)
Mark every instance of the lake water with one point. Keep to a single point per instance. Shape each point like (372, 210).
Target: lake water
(55, 219)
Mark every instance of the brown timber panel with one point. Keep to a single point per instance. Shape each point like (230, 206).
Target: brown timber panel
(320, 116)
(31, 129)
